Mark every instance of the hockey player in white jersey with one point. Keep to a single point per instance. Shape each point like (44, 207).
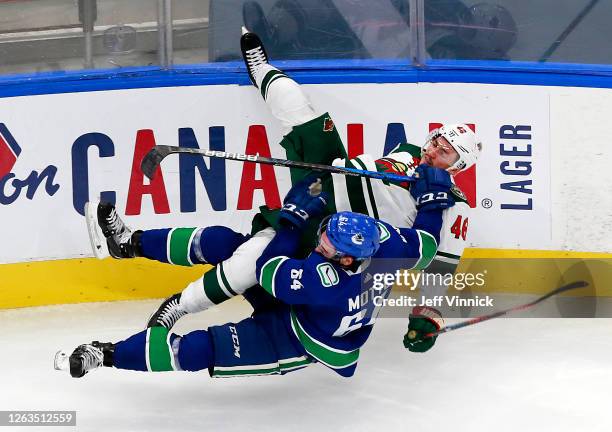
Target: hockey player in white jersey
(310, 137)
(453, 147)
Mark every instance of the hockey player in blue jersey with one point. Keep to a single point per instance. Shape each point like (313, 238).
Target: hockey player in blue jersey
(309, 309)
(328, 312)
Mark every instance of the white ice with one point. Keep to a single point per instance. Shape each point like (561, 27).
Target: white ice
(502, 375)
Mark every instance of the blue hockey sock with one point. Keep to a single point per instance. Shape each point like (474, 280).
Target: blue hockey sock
(157, 350)
(188, 246)
(195, 351)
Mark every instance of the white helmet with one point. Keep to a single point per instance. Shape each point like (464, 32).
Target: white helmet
(462, 139)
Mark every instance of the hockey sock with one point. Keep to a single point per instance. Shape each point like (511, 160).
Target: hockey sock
(207, 291)
(195, 351)
(260, 73)
(284, 96)
(156, 350)
(188, 246)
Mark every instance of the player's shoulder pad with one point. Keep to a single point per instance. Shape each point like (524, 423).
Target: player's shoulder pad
(414, 150)
(458, 194)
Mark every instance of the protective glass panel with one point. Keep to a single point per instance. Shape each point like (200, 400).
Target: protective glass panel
(52, 35)
(190, 25)
(560, 31)
(312, 29)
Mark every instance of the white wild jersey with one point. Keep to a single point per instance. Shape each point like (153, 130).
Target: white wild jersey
(393, 203)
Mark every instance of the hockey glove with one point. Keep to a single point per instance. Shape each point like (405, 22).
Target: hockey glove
(431, 190)
(303, 201)
(423, 320)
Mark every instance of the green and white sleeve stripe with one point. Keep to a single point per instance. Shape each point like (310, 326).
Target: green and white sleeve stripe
(448, 257)
(268, 274)
(372, 208)
(427, 249)
(329, 356)
(356, 192)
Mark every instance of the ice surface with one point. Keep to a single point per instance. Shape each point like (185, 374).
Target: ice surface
(503, 375)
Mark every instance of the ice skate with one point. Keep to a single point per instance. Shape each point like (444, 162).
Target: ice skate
(253, 53)
(85, 358)
(119, 237)
(168, 313)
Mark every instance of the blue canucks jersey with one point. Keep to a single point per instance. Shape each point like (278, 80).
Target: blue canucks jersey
(331, 308)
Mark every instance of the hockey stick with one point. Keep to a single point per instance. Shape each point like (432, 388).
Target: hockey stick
(476, 320)
(153, 158)
(570, 28)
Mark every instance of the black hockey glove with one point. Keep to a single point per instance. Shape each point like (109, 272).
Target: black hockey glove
(431, 190)
(303, 201)
(423, 320)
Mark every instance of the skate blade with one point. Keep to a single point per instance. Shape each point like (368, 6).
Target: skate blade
(61, 361)
(96, 238)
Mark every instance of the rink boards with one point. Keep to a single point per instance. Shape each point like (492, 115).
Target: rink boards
(539, 185)
(520, 272)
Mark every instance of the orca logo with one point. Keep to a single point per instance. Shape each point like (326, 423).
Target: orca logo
(358, 239)
(327, 274)
(9, 153)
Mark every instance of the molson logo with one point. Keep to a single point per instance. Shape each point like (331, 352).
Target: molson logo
(9, 151)
(10, 186)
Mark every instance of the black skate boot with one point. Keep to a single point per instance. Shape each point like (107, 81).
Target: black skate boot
(108, 349)
(253, 53)
(88, 357)
(168, 313)
(121, 241)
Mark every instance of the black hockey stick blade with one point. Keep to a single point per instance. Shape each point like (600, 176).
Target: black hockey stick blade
(568, 287)
(150, 163)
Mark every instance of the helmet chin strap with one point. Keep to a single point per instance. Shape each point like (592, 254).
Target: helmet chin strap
(453, 169)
